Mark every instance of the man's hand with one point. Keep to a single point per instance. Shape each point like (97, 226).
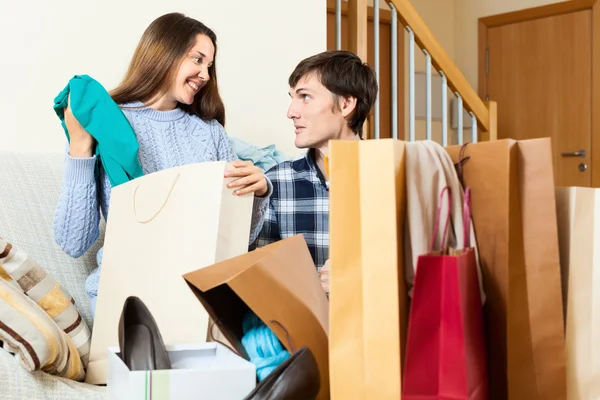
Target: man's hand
(250, 179)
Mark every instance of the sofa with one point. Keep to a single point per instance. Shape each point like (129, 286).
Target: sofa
(29, 188)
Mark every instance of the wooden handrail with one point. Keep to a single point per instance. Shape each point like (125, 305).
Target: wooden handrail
(442, 62)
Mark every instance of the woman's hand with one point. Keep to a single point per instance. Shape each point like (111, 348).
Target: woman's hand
(250, 179)
(81, 143)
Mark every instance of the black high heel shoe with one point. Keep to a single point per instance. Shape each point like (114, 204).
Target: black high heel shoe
(142, 347)
(297, 378)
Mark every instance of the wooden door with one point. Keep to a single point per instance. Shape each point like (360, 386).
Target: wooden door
(385, 76)
(539, 71)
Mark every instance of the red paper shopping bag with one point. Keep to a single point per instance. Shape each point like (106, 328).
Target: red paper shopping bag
(445, 350)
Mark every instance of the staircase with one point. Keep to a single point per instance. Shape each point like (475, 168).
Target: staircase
(483, 114)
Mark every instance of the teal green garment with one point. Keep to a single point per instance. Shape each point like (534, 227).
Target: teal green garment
(99, 115)
(265, 158)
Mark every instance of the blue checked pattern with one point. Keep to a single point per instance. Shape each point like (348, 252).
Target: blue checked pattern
(299, 205)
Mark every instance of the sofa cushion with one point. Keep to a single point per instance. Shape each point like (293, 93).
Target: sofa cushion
(21, 270)
(29, 191)
(34, 337)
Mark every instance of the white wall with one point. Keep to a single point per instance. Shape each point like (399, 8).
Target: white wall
(45, 43)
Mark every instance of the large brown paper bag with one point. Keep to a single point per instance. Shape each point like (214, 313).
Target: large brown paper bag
(578, 211)
(513, 206)
(368, 294)
(160, 227)
(280, 284)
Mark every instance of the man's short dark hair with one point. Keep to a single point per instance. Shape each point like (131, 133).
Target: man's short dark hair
(344, 74)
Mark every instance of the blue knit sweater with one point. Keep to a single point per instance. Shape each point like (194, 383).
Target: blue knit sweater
(167, 139)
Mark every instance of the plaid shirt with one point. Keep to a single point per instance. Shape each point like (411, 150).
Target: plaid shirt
(299, 205)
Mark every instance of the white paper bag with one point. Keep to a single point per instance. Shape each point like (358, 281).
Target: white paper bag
(161, 226)
(578, 211)
(207, 371)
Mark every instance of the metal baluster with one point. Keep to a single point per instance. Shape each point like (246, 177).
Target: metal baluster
(444, 109)
(338, 24)
(428, 94)
(411, 84)
(473, 128)
(394, 52)
(376, 63)
(459, 118)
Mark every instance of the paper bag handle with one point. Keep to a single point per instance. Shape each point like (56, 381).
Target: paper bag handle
(145, 221)
(462, 160)
(287, 333)
(467, 218)
(437, 219)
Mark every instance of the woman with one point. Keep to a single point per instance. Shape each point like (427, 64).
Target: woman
(171, 100)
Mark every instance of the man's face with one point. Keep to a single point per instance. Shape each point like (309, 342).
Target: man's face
(317, 113)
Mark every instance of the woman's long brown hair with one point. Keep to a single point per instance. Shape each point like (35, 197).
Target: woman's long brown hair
(156, 60)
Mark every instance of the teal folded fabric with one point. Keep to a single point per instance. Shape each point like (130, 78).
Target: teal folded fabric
(263, 157)
(117, 146)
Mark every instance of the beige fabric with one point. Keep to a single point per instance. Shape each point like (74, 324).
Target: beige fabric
(429, 169)
(162, 226)
(34, 337)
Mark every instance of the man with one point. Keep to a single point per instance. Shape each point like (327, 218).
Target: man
(332, 94)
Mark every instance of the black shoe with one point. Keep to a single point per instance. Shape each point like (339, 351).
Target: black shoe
(142, 347)
(297, 378)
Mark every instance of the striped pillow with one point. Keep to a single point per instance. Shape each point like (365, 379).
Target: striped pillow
(26, 275)
(36, 340)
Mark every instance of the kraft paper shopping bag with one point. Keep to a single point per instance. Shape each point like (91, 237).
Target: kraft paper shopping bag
(160, 227)
(368, 300)
(279, 283)
(514, 216)
(578, 212)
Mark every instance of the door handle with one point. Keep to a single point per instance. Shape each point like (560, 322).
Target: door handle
(580, 153)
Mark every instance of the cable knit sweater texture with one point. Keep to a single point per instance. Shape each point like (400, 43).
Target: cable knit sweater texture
(167, 139)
